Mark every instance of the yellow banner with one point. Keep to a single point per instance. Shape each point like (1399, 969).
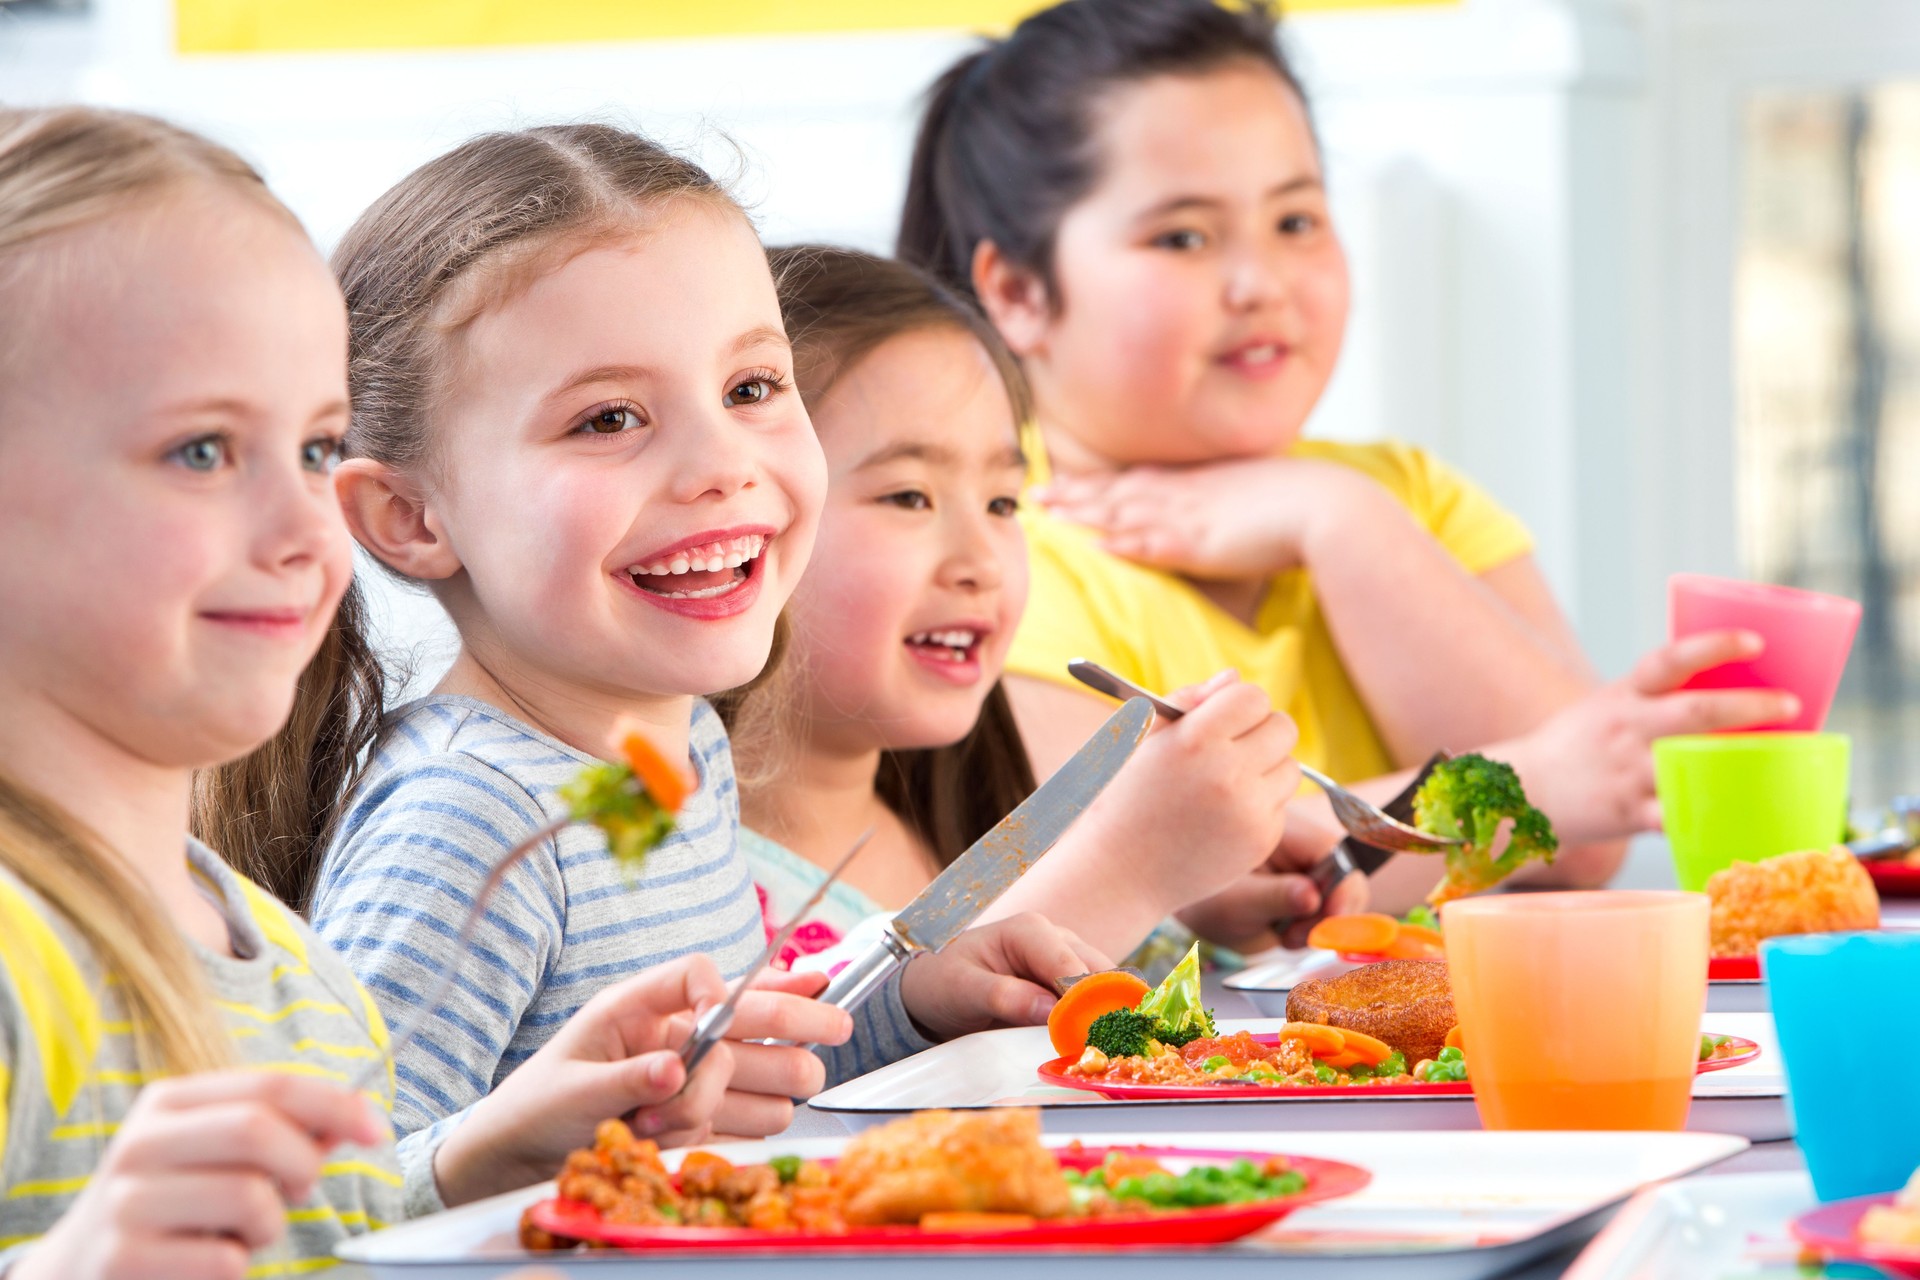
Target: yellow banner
(280, 26)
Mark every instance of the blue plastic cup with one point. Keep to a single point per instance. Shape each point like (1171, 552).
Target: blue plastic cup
(1859, 1130)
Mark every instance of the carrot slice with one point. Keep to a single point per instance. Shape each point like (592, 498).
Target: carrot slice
(1453, 1039)
(1430, 936)
(1368, 933)
(664, 781)
(1342, 1060)
(1320, 1040)
(1372, 1052)
(960, 1220)
(1087, 999)
(1408, 946)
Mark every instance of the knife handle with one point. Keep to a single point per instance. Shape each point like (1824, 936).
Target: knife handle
(864, 974)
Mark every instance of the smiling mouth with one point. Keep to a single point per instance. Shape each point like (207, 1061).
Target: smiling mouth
(1257, 357)
(955, 644)
(701, 573)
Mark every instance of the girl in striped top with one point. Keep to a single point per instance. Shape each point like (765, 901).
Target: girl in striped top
(176, 1047)
(573, 422)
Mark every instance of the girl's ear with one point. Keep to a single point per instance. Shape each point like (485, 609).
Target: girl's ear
(389, 516)
(1013, 297)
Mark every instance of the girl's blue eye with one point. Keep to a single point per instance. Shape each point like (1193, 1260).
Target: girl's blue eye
(1004, 506)
(321, 455)
(612, 420)
(1182, 240)
(752, 391)
(910, 500)
(206, 454)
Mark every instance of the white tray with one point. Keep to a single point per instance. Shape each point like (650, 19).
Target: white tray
(1725, 1227)
(1442, 1206)
(999, 1069)
(1267, 983)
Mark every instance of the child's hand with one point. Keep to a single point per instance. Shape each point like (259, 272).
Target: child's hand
(619, 1056)
(994, 975)
(1219, 520)
(1275, 904)
(200, 1175)
(1590, 768)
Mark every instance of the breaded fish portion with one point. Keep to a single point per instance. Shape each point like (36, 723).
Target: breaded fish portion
(951, 1161)
(1407, 1003)
(1818, 891)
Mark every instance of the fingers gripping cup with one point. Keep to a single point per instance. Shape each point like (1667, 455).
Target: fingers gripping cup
(1859, 1136)
(1728, 798)
(1807, 636)
(1579, 1010)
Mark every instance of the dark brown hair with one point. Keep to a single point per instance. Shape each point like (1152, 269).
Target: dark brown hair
(839, 305)
(1006, 144)
(421, 264)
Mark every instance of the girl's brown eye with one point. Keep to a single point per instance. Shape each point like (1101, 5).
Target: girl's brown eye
(609, 422)
(752, 391)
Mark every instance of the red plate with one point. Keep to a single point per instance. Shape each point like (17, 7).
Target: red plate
(1894, 879)
(1054, 1073)
(1734, 969)
(1830, 1231)
(1326, 1180)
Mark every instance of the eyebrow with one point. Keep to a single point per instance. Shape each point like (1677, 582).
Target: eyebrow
(229, 407)
(937, 455)
(1305, 182)
(759, 335)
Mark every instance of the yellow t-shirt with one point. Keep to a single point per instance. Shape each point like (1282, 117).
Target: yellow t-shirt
(1156, 629)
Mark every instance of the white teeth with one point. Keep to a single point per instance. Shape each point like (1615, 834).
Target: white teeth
(1261, 354)
(711, 558)
(954, 639)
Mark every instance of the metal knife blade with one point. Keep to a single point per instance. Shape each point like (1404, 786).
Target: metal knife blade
(960, 893)
(969, 886)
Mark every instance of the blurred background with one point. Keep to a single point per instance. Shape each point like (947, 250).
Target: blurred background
(1649, 269)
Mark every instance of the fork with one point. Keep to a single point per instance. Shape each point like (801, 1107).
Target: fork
(1364, 820)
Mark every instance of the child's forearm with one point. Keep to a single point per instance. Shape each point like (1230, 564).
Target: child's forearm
(1441, 661)
(1082, 887)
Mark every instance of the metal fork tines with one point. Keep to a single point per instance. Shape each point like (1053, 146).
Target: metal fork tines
(1364, 820)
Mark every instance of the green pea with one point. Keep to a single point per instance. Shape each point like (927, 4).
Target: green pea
(1325, 1073)
(788, 1167)
(1215, 1062)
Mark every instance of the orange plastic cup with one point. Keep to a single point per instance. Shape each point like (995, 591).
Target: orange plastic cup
(1579, 1010)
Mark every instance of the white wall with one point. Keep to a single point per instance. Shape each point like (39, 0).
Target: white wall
(1482, 161)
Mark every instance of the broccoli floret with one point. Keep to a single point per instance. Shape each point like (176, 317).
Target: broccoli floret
(1468, 797)
(1123, 1033)
(1176, 1003)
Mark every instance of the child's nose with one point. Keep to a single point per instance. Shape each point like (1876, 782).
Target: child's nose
(716, 458)
(972, 563)
(1253, 280)
(298, 522)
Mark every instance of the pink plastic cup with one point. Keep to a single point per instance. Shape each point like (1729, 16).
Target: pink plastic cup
(1808, 635)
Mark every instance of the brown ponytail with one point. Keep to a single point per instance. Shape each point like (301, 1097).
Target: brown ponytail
(61, 170)
(838, 305)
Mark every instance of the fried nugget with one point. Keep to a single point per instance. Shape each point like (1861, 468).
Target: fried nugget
(951, 1162)
(1818, 891)
(1406, 1003)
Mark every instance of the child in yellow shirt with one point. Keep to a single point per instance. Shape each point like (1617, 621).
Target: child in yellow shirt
(1133, 191)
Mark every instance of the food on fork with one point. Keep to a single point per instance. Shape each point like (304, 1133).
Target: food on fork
(1817, 891)
(1480, 801)
(1408, 1004)
(633, 800)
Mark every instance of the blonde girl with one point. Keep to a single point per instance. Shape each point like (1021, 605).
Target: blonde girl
(573, 422)
(888, 712)
(1133, 191)
(174, 1043)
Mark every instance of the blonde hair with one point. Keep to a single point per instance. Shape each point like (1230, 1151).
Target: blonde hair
(62, 170)
(445, 243)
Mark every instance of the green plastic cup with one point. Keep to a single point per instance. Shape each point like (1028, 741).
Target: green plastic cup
(1729, 798)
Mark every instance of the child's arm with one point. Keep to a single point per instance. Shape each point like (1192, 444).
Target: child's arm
(201, 1174)
(1201, 804)
(619, 1056)
(393, 895)
(1439, 657)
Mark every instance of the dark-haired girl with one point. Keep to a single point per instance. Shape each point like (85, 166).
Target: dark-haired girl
(1134, 192)
(887, 711)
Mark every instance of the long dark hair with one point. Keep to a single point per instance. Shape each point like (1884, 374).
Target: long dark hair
(838, 305)
(1006, 146)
